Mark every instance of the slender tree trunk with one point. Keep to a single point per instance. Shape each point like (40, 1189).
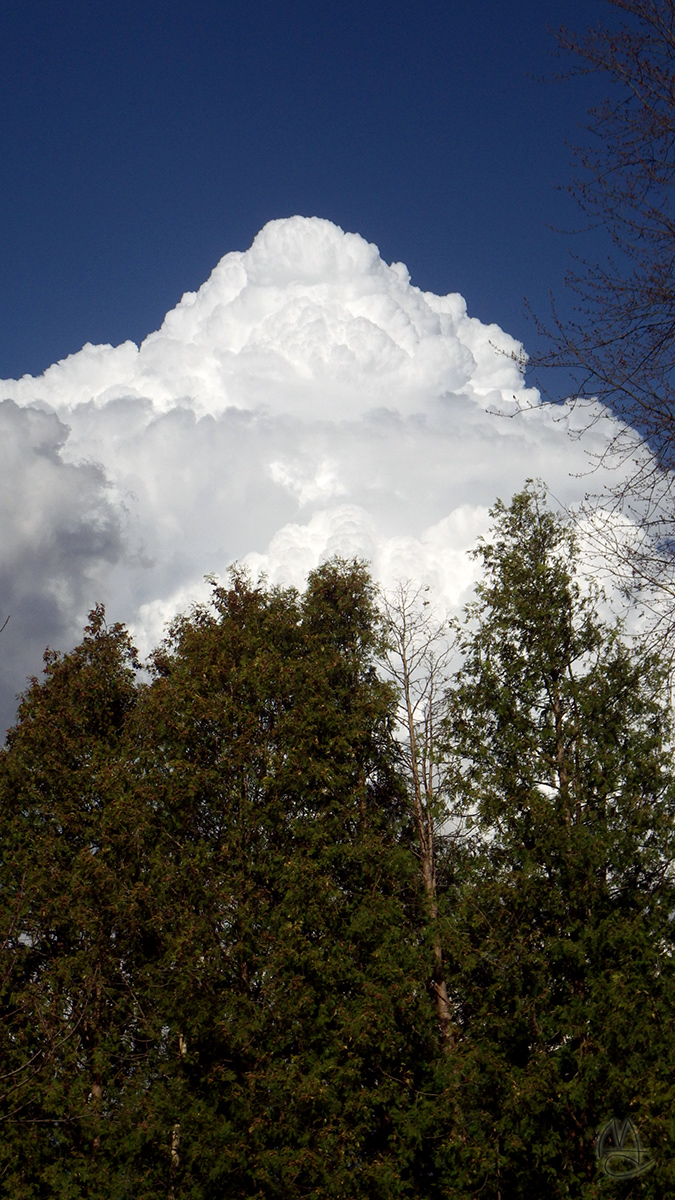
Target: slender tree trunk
(92, 1038)
(561, 759)
(175, 1132)
(96, 1098)
(425, 836)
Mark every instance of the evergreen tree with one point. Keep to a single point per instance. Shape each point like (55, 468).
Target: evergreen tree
(73, 928)
(212, 936)
(297, 1037)
(563, 978)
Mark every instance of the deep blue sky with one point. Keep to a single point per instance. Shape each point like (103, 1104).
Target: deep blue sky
(140, 141)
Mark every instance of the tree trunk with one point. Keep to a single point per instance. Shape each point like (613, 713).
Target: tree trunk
(405, 624)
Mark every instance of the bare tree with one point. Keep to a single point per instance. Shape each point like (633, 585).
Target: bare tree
(417, 658)
(619, 344)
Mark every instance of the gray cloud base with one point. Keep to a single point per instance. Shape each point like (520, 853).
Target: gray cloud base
(60, 535)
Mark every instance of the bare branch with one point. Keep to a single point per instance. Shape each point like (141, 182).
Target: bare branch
(619, 343)
(418, 650)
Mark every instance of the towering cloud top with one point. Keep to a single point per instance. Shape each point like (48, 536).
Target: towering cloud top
(308, 399)
(308, 317)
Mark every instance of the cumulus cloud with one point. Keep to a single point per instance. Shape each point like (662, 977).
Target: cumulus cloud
(308, 399)
(60, 537)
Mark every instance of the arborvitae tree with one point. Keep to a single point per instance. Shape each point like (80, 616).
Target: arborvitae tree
(298, 1033)
(563, 971)
(213, 952)
(72, 927)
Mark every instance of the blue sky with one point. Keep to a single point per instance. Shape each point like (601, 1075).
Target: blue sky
(139, 142)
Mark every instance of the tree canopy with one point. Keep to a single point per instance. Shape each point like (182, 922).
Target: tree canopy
(563, 973)
(225, 922)
(212, 964)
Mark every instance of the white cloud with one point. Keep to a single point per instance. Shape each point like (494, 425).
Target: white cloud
(307, 399)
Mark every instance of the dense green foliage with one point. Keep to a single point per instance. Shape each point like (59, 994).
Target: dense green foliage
(564, 979)
(216, 956)
(213, 970)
